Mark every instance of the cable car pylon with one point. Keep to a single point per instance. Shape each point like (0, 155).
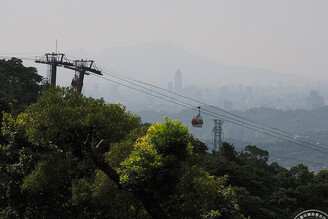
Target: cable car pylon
(53, 60)
(217, 133)
(81, 68)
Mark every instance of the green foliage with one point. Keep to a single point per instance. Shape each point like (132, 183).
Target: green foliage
(154, 163)
(267, 191)
(48, 186)
(228, 151)
(202, 195)
(17, 159)
(159, 163)
(170, 138)
(5, 107)
(257, 153)
(19, 87)
(142, 165)
(6, 103)
(64, 118)
(19, 83)
(199, 147)
(99, 197)
(320, 189)
(47, 151)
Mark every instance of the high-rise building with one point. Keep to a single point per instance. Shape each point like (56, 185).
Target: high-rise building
(170, 86)
(178, 81)
(314, 100)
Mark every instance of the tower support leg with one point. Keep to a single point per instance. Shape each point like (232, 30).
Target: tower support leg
(81, 78)
(53, 75)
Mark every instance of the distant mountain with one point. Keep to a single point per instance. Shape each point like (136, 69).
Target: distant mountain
(157, 63)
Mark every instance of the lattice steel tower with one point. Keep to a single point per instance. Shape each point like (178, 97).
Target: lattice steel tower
(217, 133)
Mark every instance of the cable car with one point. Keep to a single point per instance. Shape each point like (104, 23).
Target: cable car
(75, 82)
(197, 121)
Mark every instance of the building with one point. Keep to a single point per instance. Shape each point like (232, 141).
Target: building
(314, 100)
(178, 81)
(170, 86)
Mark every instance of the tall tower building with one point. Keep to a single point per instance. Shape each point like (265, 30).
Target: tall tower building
(170, 86)
(178, 81)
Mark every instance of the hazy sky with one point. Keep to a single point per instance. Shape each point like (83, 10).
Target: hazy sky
(282, 35)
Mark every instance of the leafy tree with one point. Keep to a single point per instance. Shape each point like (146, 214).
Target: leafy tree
(267, 191)
(19, 83)
(19, 87)
(155, 162)
(228, 151)
(5, 107)
(5, 103)
(77, 130)
(320, 190)
(82, 127)
(257, 153)
(51, 146)
(250, 175)
(159, 163)
(48, 187)
(17, 159)
(199, 147)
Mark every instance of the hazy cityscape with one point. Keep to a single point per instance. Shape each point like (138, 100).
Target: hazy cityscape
(234, 97)
(170, 67)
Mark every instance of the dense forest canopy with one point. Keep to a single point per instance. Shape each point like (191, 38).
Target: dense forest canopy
(69, 156)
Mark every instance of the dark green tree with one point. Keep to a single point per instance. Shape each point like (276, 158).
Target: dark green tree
(17, 159)
(19, 83)
(52, 147)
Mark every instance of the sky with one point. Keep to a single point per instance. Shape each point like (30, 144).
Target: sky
(282, 35)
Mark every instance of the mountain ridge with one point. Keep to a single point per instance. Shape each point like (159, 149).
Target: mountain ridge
(157, 62)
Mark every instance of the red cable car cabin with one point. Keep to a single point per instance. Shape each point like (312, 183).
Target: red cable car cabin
(197, 121)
